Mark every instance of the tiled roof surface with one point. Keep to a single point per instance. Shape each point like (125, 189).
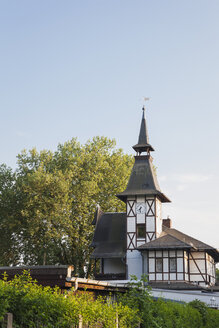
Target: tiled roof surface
(110, 236)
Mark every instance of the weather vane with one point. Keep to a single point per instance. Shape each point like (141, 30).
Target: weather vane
(144, 100)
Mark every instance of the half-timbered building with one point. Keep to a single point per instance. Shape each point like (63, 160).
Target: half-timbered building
(139, 241)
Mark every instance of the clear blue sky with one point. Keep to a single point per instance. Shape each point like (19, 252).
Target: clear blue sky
(80, 68)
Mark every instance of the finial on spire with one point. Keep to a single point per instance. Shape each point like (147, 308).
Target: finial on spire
(143, 140)
(146, 98)
(143, 107)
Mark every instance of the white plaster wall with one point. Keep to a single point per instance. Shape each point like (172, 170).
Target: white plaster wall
(150, 223)
(152, 207)
(159, 216)
(198, 255)
(131, 201)
(150, 236)
(134, 263)
(200, 264)
(196, 277)
(210, 266)
(114, 266)
(128, 208)
(131, 224)
(133, 238)
(140, 218)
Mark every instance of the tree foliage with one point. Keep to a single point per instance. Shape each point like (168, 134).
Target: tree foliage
(47, 205)
(9, 216)
(217, 275)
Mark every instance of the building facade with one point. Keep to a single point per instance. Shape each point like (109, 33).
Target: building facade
(140, 241)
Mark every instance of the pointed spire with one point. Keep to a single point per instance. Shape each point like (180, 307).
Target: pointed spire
(143, 179)
(143, 140)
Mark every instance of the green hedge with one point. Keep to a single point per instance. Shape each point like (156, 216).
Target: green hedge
(35, 306)
(175, 315)
(167, 314)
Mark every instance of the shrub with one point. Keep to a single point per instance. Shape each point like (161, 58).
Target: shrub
(213, 319)
(169, 314)
(138, 297)
(34, 306)
(4, 305)
(210, 317)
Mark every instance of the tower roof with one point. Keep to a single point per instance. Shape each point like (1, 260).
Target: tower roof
(143, 139)
(143, 180)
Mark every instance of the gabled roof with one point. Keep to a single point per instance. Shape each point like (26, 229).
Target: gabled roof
(167, 242)
(109, 239)
(143, 180)
(195, 243)
(174, 239)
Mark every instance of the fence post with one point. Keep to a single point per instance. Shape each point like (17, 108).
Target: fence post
(9, 320)
(80, 321)
(117, 320)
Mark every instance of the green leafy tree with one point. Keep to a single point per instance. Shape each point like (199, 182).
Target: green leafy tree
(10, 205)
(138, 297)
(58, 193)
(217, 276)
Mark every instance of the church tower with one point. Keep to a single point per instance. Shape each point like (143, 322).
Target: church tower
(143, 199)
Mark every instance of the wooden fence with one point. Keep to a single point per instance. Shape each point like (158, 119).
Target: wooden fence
(8, 322)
